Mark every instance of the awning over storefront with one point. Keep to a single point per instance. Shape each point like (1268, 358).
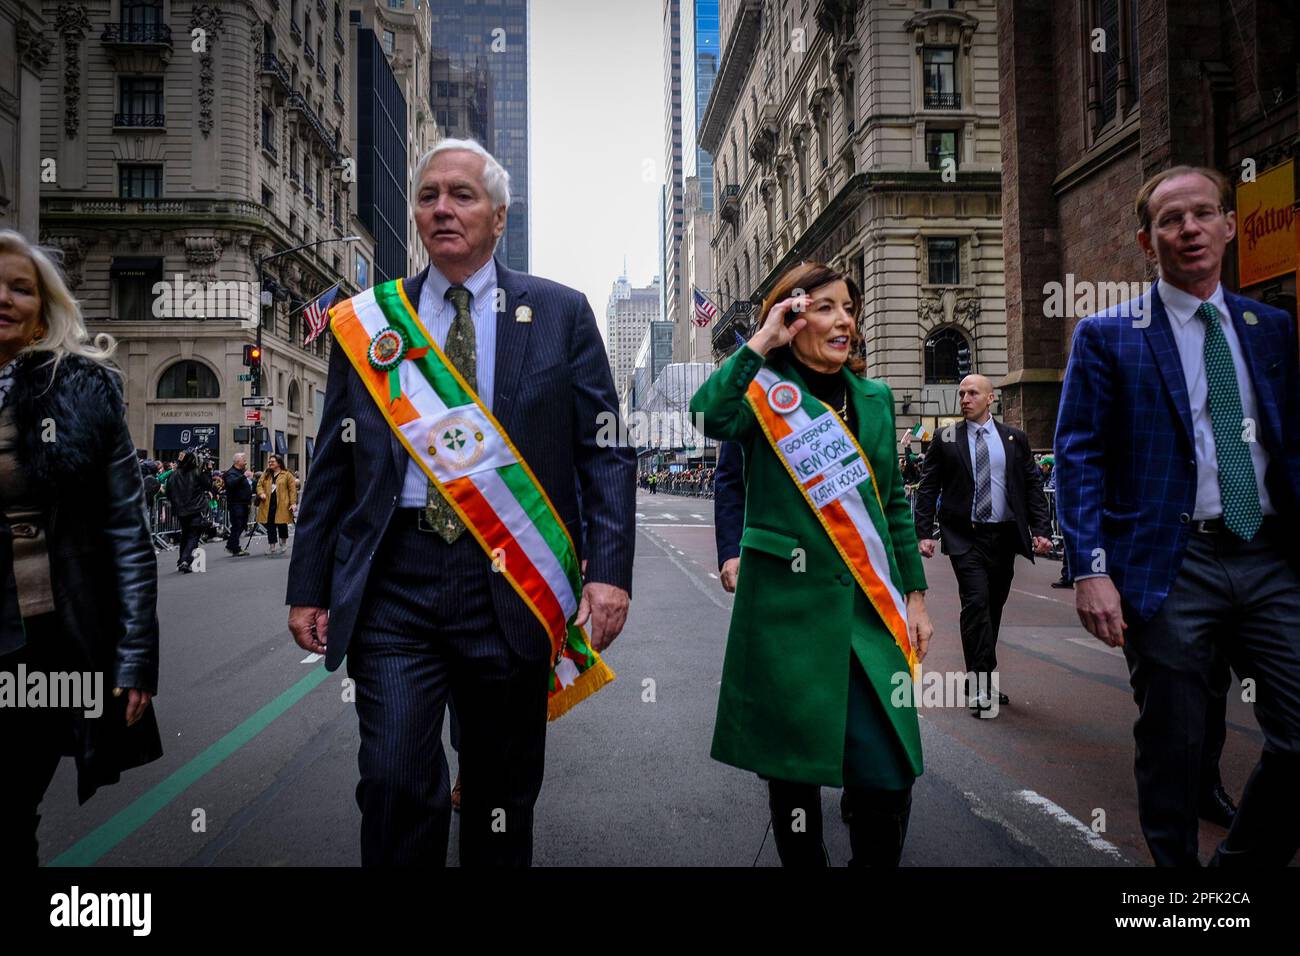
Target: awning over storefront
(281, 446)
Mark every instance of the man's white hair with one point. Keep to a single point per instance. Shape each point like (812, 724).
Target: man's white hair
(496, 181)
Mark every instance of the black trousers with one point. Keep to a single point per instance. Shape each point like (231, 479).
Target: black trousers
(984, 576)
(1236, 603)
(275, 530)
(191, 529)
(238, 525)
(426, 634)
(35, 740)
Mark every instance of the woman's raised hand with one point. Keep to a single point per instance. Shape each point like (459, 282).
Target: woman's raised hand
(774, 332)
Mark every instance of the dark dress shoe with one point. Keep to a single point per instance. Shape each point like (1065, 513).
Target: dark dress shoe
(1003, 699)
(1063, 584)
(1217, 807)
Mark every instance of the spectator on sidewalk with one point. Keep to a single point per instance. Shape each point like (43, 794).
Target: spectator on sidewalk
(277, 504)
(239, 494)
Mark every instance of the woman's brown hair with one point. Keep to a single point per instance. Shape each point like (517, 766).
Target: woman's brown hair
(806, 277)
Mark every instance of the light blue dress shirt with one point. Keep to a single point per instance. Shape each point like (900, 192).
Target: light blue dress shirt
(997, 469)
(437, 313)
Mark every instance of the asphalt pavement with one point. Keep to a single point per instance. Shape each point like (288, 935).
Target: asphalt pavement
(260, 741)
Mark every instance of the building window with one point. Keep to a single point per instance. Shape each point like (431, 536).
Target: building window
(188, 380)
(1111, 73)
(142, 14)
(140, 101)
(389, 41)
(940, 144)
(939, 66)
(940, 4)
(947, 357)
(139, 182)
(132, 282)
(268, 197)
(943, 261)
(294, 400)
(363, 272)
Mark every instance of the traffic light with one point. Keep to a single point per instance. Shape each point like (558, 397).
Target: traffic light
(253, 356)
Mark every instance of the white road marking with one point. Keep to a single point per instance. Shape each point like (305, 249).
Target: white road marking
(712, 575)
(639, 515)
(1063, 816)
(1096, 645)
(698, 517)
(670, 517)
(312, 658)
(1043, 597)
(985, 812)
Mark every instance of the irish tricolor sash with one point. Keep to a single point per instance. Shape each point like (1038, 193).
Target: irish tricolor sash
(832, 473)
(464, 450)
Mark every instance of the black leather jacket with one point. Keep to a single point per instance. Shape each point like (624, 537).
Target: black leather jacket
(188, 487)
(102, 564)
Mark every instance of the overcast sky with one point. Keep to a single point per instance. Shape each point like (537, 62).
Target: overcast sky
(596, 89)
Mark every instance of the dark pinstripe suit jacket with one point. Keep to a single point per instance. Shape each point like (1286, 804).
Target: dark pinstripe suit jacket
(552, 385)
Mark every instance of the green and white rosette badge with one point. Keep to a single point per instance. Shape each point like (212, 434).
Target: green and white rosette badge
(387, 349)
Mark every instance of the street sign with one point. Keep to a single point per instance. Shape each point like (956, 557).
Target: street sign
(246, 376)
(257, 401)
(253, 415)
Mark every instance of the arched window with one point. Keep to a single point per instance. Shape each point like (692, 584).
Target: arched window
(188, 380)
(293, 396)
(947, 357)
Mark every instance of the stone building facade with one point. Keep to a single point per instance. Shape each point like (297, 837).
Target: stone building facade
(188, 141)
(25, 49)
(1097, 97)
(865, 134)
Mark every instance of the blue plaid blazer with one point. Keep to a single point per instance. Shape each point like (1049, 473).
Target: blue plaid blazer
(1125, 459)
(552, 394)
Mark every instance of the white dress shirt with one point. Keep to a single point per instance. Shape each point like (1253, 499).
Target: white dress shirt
(1189, 335)
(997, 469)
(437, 313)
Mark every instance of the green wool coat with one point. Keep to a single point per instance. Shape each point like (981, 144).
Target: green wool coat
(783, 705)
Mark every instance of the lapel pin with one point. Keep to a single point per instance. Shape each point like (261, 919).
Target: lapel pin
(523, 314)
(1251, 318)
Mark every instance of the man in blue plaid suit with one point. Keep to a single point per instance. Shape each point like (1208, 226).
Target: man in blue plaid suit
(1178, 492)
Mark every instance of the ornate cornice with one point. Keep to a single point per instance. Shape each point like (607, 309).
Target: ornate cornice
(34, 46)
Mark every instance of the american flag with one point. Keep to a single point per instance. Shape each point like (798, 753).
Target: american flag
(705, 311)
(317, 313)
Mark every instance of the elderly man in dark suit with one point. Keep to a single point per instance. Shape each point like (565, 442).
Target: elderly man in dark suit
(385, 565)
(992, 508)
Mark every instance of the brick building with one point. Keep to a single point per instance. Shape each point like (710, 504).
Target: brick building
(1097, 95)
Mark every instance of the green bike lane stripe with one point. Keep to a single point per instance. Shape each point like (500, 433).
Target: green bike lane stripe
(89, 849)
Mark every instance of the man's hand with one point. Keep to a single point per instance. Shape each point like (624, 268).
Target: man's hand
(308, 626)
(1042, 545)
(137, 702)
(1098, 605)
(927, 547)
(730, 574)
(606, 607)
(918, 623)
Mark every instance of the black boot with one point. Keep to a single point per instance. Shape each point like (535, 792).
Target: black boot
(797, 823)
(878, 826)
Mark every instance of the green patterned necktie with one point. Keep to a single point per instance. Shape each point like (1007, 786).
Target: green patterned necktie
(460, 352)
(1237, 487)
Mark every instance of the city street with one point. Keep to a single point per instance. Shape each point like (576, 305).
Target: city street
(260, 760)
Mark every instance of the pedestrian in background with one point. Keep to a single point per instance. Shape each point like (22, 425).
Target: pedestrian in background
(239, 494)
(981, 478)
(73, 524)
(188, 490)
(277, 503)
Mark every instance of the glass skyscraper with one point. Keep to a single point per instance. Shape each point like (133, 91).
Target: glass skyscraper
(700, 57)
(479, 90)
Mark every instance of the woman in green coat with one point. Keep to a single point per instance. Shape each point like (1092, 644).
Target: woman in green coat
(816, 688)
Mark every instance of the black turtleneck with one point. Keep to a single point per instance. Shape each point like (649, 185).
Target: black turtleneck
(829, 387)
